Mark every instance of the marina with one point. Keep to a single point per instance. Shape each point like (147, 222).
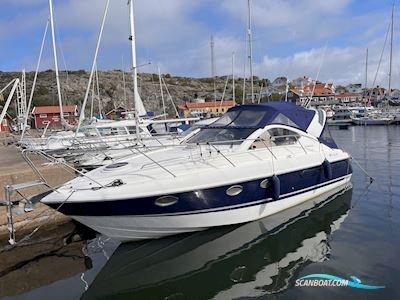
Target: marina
(126, 182)
(266, 256)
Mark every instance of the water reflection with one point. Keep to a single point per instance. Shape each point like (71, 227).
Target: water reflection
(52, 255)
(253, 259)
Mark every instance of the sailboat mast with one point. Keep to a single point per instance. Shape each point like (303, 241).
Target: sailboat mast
(391, 52)
(233, 77)
(124, 84)
(250, 50)
(56, 60)
(213, 67)
(132, 38)
(162, 93)
(34, 80)
(82, 114)
(98, 92)
(366, 71)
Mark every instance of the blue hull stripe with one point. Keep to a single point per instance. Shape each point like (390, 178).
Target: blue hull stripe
(213, 199)
(248, 204)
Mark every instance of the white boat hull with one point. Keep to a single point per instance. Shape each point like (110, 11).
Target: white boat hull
(372, 121)
(133, 228)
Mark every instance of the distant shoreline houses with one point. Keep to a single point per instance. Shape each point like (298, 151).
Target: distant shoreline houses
(322, 93)
(300, 90)
(201, 108)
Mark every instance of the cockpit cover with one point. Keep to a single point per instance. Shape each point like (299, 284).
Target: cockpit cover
(284, 113)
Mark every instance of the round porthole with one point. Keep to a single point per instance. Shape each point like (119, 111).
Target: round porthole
(234, 190)
(166, 201)
(264, 184)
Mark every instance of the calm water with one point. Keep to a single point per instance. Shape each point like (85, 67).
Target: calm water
(354, 232)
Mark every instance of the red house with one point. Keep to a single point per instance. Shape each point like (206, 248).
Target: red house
(116, 113)
(44, 115)
(5, 124)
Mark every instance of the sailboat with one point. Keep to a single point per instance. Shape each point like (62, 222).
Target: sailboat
(136, 130)
(379, 116)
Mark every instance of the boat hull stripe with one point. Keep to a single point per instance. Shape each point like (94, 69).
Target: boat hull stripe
(213, 199)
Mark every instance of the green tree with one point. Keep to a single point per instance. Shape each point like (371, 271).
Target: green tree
(276, 97)
(238, 93)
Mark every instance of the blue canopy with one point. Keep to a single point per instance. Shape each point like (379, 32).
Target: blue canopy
(261, 115)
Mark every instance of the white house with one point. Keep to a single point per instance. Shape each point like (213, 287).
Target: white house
(279, 81)
(302, 82)
(355, 88)
(395, 94)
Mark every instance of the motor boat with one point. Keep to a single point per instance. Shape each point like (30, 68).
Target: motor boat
(373, 118)
(249, 260)
(90, 160)
(253, 162)
(345, 115)
(105, 135)
(341, 116)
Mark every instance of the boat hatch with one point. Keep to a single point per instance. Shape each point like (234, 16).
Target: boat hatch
(116, 165)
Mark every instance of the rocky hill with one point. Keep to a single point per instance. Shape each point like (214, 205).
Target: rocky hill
(112, 94)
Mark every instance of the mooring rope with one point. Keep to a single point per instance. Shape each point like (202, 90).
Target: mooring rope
(371, 179)
(28, 236)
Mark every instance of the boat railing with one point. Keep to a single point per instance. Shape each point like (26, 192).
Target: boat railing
(140, 148)
(213, 147)
(47, 157)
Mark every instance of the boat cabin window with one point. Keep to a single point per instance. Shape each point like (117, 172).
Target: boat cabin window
(263, 141)
(221, 135)
(282, 119)
(321, 117)
(246, 118)
(283, 136)
(226, 119)
(275, 137)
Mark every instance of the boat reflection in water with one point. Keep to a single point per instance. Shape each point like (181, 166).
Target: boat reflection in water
(253, 259)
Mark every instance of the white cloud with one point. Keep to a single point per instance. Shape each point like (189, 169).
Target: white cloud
(288, 36)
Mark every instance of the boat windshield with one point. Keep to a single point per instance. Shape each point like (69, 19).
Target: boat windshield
(221, 135)
(246, 118)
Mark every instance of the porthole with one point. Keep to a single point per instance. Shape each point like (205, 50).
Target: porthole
(264, 184)
(166, 201)
(234, 190)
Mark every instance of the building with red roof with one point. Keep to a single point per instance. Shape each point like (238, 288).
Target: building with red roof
(349, 97)
(319, 93)
(5, 124)
(50, 115)
(203, 108)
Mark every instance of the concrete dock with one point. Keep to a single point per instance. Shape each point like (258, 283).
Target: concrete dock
(55, 251)
(13, 170)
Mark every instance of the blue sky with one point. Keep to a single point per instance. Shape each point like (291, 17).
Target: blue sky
(290, 37)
